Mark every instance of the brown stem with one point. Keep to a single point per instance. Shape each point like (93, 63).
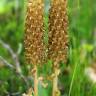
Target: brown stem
(55, 83)
(35, 81)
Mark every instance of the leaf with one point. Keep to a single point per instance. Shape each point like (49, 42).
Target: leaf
(88, 47)
(42, 91)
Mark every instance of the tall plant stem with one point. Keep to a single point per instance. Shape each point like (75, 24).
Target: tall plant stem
(35, 81)
(55, 83)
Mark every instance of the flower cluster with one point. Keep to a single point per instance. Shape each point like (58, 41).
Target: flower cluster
(58, 27)
(34, 32)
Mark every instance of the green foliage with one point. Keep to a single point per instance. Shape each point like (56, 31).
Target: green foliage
(82, 49)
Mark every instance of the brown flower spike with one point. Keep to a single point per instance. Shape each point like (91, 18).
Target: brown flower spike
(34, 47)
(58, 38)
(58, 27)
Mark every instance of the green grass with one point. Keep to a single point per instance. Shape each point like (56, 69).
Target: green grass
(82, 49)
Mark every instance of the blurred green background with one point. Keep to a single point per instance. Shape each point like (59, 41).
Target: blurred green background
(77, 77)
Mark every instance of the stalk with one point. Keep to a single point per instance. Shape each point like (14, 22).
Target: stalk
(58, 38)
(35, 81)
(55, 83)
(33, 41)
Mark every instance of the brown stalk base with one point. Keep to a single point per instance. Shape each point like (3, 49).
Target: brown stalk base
(35, 81)
(55, 83)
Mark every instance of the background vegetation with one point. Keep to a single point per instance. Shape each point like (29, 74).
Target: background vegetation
(74, 80)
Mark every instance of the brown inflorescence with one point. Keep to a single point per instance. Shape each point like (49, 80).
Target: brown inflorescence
(58, 27)
(34, 32)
